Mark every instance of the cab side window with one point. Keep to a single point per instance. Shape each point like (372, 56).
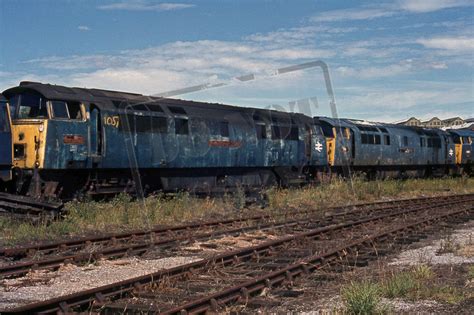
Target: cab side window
(181, 126)
(59, 109)
(74, 109)
(66, 110)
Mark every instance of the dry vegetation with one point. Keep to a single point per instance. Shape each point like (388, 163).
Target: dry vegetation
(122, 213)
(419, 283)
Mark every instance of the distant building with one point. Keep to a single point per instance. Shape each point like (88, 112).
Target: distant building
(435, 122)
(453, 122)
(412, 122)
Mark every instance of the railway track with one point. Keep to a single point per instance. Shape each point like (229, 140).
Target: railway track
(28, 209)
(237, 275)
(53, 255)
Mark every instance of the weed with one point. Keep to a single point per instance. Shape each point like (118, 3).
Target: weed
(422, 272)
(470, 272)
(239, 198)
(361, 297)
(448, 245)
(450, 295)
(399, 285)
(417, 284)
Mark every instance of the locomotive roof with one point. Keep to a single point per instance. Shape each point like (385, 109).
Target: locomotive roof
(346, 122)
(113, 100)
(462, 132)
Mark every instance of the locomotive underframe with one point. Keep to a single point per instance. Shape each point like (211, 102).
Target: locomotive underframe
(77, 183)
(74, 183)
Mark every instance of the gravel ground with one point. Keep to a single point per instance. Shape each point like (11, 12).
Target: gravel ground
(461, 241)
(398, 306)
(323, 297)
(42, 285)
(412, 307)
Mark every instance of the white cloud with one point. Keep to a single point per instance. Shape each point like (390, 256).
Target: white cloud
(133, 80)
(206, 56)
(438, 65)
(294, 54)
(84, 28)
(298, 34)
(178, 64)
(352, 14)
(185, 63)
(76, 62)
(420, 6)
(376, 72)
(141, 5)
(388, 10)
(458, 44)
(402, 99)
(407, 66)
(174, 65)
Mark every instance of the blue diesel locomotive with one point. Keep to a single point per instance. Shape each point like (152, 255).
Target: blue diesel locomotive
(387, 150)
(74, 140)
(63, 142)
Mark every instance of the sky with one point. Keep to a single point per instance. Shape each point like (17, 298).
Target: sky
(387, 60)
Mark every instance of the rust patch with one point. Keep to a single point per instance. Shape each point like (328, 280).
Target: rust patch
(225, 143)
(73, 139)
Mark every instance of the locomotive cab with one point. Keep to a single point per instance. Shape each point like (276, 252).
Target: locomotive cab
(29, 122)
(46, 133)
(339, 142)
(463, 140)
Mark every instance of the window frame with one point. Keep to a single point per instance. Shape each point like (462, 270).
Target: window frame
(5, 117)
(294, 134)
(53, 116)
(224, 130)
(186, 120)
(364, 139)
(261, 131)
(405, 141)
(276, 132)
(377, 139)
(422, 142)
(371, 138)
(18, 104)
(466, 140)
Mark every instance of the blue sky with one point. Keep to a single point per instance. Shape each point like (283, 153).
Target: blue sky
(388, 60)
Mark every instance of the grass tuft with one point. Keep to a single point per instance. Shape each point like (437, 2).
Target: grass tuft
(399, 285)
(361, 297)
(448, 245)
(418, 284)
(470, 272)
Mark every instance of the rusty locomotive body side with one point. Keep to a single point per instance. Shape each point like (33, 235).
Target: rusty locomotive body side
(70, 140)
(389, 150)
(63, 142)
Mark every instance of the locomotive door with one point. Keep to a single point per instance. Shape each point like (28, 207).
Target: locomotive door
(307, 142)
(6, 157)
(345, 144)
(353, 146)
(436, 149)
(95, 133)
